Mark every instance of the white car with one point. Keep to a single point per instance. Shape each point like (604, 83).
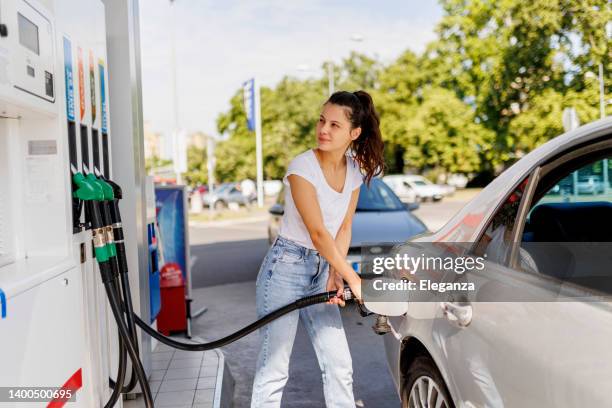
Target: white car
(416, 188)
(541, 337)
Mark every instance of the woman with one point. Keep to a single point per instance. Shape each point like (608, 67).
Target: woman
(309, 254)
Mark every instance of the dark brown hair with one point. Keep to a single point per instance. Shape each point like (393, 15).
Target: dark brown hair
(368, 147)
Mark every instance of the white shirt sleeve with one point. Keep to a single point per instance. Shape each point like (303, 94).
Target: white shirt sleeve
(301, 167)
(357, 177)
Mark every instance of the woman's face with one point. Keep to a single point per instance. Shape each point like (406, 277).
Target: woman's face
(334, 130)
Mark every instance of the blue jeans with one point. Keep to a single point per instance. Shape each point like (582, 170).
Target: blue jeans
(290, 271)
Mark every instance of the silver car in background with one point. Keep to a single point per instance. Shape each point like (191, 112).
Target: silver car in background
(516, 353)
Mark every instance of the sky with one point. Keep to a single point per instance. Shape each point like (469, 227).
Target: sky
(222, 43)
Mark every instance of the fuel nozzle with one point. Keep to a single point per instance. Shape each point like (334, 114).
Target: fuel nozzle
(381, 326)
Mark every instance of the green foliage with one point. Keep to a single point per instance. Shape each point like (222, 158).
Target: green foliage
(154, 162)
(491, 87)
(442, 135)
(197, 172)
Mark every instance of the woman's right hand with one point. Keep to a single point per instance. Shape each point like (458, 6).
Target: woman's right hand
(355, 285)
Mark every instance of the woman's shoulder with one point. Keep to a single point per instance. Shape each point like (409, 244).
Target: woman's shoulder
(302, 159)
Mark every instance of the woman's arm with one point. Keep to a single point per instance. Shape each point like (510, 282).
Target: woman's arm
(343, 238)
(305, 199)
(343, 243)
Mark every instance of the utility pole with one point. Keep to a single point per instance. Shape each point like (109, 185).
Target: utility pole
(176, 143)
(258, 147)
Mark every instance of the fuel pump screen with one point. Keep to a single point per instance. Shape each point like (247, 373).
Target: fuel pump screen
(28, 34)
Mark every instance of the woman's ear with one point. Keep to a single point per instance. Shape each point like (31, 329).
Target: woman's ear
(355, 133)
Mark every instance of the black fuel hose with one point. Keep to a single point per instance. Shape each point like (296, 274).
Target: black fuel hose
(117, 385)
(298, 304)
(125, 335)
(109, 280)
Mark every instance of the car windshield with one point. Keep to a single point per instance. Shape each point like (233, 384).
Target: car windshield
(223, 187)
(419, 182)
(378, 197)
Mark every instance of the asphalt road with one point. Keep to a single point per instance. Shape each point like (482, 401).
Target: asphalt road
(225, 262)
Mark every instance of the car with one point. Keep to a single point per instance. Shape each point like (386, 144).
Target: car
(541, 337)
(380, 216)
(226, 194)
(422, 188)
(457, 180)
(590, 185)
(403, 190)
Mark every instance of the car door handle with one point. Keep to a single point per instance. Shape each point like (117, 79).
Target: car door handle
(454, 313)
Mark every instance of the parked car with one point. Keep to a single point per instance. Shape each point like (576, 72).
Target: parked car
(457, 180)
(380, 217)
(403, 190)
(539, 352)
(422, 189)
(590, 185)
(225, 194)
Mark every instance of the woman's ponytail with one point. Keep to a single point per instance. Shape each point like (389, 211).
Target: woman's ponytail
(368, 147)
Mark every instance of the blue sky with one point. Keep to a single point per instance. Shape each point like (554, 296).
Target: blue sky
(220, 44)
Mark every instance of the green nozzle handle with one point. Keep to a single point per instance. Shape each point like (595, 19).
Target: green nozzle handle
(107, 190)
(87, 191)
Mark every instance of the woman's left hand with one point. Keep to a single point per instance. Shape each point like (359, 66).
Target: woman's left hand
(335, 283)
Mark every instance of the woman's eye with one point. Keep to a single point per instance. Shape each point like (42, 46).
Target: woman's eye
(335, 125)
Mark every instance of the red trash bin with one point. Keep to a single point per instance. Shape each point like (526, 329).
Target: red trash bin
(173, 314)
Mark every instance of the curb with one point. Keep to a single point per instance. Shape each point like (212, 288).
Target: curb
(224, 387)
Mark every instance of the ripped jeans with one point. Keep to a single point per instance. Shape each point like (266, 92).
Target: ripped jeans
(289, 272)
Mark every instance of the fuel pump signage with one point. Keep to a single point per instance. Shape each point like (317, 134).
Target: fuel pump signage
(69, 79)
(92, 87)
(81, 83)
(102, 96)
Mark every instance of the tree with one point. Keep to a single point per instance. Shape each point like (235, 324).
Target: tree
(443, 136)
(197, 171)
(154, 162)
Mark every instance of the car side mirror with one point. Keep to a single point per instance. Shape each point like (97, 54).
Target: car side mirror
(276, 209)
(411, 206)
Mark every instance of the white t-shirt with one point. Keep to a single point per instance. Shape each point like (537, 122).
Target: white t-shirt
(332, 203)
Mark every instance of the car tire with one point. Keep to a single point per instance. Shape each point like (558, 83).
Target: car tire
(219, 205)
(421, 374)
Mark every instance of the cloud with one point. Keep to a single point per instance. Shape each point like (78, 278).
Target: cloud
(222, 44)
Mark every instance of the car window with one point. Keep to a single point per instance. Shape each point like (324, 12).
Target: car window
(585, 184)
(495, 244)
(568, 229)
(378, 197)
(419, 182)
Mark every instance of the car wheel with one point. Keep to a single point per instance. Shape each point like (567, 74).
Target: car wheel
(424, 386)
(219, 205)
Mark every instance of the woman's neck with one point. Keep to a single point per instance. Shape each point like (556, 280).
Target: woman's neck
(333, 160)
